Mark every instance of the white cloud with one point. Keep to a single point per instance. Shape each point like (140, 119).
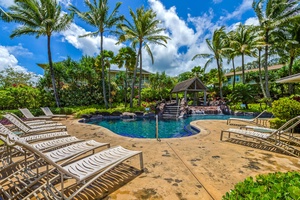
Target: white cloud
(88, 45)
(9, 60)
(245, 6)
(217, 1)
(6, 3)
(252, 21)
(173, 60)
(19, 51)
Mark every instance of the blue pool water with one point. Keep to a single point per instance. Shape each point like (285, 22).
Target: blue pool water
(145, 128)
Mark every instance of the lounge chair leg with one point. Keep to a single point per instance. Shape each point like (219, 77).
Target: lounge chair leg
(221, 137)
(141, 162)
(62, 185)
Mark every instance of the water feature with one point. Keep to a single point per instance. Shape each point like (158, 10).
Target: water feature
(145, 128)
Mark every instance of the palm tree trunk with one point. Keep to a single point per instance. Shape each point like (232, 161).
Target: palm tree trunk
(52, 72)
(133, 79)
(109, 90)
(103, 74)
(290, 73)
(140, 83)
(233, 83)
(220, 78)
(260, 75)
(125, 87)
(243, 67)
(266, 65)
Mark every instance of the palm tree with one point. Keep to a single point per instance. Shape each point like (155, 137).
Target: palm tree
(216, 46)
(40, 17)
(230, 52)
(108, 59)
(126, 57)
(144, 30)
(271, 15)
(287, 44)
(99, 17)
(4, 16)
(242, 40)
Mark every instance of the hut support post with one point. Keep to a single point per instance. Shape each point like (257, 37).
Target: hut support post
(204, 98)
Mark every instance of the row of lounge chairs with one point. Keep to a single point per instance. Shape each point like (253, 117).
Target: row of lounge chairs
(48, 114)
(41, 160)
(281, 139)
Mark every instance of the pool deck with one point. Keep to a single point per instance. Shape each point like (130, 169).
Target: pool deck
(195, 167)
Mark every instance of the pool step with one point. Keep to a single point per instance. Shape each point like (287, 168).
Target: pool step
(171, 112)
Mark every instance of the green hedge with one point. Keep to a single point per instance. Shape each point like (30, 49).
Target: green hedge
(278, 185)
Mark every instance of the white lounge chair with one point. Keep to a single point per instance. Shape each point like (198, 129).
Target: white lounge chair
(252, 120)
(31, 129)
(49, 113)
(279, 138)
(25, 176)
(28, 115)
(36, 122)
(84, 171)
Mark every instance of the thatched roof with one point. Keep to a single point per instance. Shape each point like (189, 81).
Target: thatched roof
(190, 85)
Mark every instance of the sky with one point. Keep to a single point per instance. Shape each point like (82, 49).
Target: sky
(187, 23)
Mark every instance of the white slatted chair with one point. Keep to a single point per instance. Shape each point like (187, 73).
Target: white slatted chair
(28, 115)
(26, 176)
(86, 170)
(280, 138)
(36, 122)
(49, 113)
(252, 120)
(35, 130)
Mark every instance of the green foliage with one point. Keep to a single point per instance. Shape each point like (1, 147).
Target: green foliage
(23, 96)
(84, 112)
(276, 122)
(10, 77)
(285, 108)
(276, 185)
(243, 93)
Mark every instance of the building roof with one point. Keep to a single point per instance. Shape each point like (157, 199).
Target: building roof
(192, 85)
(273, 67)
(290, 79)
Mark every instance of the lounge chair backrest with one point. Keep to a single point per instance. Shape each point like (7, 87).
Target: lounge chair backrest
(47, 111)
(289, 125)
(26, 113)
(260, 114)
(17, 123)
(4, 136)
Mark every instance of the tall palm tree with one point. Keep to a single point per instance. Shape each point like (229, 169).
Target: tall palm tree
(243, 40)
(99, 17)
(143, 30)
(271, 15)
(230, 52)
(40, 18)
(216, 46)
(126, 57)
(287, 44)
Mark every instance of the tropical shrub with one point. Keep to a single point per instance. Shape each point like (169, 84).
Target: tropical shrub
(23, 96)
(285, 108)
(276, 122)
(243, 93)
(276, 185)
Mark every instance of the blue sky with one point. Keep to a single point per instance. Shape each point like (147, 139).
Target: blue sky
(188, 23)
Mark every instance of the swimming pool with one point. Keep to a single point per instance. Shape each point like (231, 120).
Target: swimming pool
(145, 128)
